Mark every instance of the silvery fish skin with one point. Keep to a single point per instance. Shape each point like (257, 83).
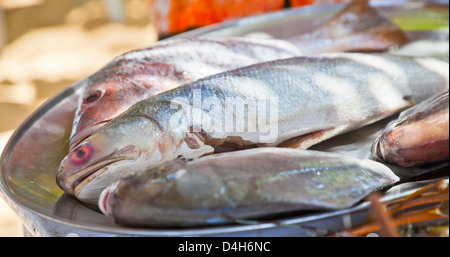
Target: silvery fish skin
(296, 102)
(245, 184)
(141, 73)
(420, 135)
(425, 48)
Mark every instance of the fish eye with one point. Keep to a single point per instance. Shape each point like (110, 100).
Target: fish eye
(93, 97)
(81, 155)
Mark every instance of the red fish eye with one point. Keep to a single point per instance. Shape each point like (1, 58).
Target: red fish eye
(93, 97)
(81, 155)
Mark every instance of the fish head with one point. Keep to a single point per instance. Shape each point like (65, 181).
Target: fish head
(101, 101)
(118, 149)
(116, 87)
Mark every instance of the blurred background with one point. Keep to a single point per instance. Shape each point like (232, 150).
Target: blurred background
(46, 45)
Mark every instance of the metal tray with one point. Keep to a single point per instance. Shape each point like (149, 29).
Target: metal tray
(31, 157)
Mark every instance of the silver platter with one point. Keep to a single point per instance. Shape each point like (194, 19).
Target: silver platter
(32, 156)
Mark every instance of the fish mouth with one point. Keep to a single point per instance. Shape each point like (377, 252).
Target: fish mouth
(104, 198)
(81, 177)
(81, 135)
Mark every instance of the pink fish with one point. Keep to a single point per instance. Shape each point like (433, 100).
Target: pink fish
(142, 73)
(419, 136)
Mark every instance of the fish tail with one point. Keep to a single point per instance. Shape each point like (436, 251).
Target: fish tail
(370, 30)
(360, 27)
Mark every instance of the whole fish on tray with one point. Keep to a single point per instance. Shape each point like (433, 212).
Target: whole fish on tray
(419, 136)
(139, 74)
(239, 185)
(295, 102)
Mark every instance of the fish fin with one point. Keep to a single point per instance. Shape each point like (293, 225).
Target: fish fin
(364, 24)
(303, 141)
(227, 144)
(307, 140)
(359, 27)
(196, 147)
(192, 141)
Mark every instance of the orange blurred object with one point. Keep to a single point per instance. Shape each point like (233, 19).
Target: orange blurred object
(175, 16)
(295, 3)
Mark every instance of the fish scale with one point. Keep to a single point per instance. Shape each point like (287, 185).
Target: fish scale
(306, 112)
(418, 137)
(141, 73)
(242, 185)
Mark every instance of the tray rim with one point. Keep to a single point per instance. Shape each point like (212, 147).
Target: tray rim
(17, 205)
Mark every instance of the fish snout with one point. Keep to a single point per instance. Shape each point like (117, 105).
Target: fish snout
(68, 174)
(63, 177)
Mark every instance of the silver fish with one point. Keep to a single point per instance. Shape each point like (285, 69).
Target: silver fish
(419, 136)
(245, 184)
(425, 48)
(141, 73)
(296, 102)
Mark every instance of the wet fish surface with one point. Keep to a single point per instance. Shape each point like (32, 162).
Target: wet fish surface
(420, 135)
(425, 48)
(295, 102)
(240, 185)
(141, 73)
